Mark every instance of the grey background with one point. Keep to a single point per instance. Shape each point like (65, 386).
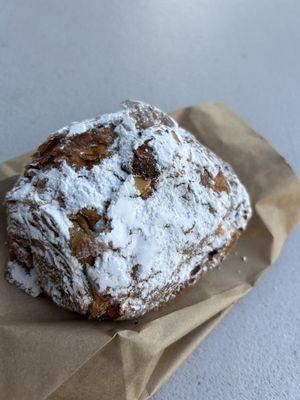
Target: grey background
(65, 60)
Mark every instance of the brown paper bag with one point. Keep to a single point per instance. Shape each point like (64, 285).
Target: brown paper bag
(50, 353)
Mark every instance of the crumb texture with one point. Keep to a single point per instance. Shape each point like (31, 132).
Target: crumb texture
(116, 215)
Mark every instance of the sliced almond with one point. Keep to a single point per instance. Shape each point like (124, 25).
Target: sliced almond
(91, 216)
(221, 184)
(81, 244)
(142, 185)
(206, 178)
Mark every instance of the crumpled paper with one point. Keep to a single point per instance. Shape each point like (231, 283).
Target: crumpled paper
(49, 353)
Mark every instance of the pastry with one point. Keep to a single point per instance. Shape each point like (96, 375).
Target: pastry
(114, 216)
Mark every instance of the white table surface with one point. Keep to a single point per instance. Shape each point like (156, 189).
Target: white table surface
(64, 60)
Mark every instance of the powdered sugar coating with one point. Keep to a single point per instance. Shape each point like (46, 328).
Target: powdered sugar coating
(27, 280)
(162, 237)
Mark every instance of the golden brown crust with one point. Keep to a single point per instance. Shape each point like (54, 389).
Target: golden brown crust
(102, 307)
